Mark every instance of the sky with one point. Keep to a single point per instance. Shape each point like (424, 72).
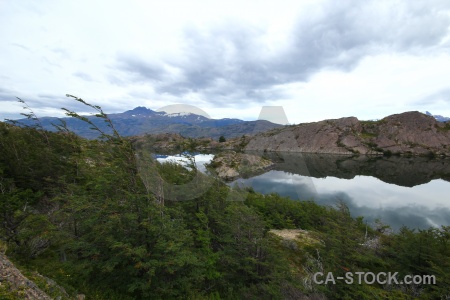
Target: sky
(316, 59)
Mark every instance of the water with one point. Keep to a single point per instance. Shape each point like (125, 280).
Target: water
(414, 192)
(199, 158)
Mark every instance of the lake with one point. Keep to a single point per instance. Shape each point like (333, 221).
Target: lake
(414, 192)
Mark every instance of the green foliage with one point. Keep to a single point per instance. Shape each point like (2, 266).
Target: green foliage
(243, 142)
(222, 139)
(444, 128)
(280, 212)
(6, 293)
(103, 219)
(174, 173)
(367, 135)
(191, 144)
(422, 252)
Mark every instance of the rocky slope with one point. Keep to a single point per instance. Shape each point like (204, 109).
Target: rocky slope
(231, 165)
(409, 133)
(176, 142)
(15, 285)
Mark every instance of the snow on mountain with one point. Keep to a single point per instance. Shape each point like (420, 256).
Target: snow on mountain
(179, 114)
(438, 117)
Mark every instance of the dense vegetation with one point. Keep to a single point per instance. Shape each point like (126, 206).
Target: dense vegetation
(99, 221)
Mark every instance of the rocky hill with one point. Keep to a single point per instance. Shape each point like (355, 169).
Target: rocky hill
(230, 165)
(409, 133)
(14, 285)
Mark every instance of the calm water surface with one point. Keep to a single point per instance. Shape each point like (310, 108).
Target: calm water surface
(414, 192)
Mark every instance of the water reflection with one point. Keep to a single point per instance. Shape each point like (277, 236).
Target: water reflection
(199, 159)
(399, 191)
(397, 170)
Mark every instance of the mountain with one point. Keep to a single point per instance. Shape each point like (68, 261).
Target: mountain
(438, 117)
(142, 120)
(409, 133)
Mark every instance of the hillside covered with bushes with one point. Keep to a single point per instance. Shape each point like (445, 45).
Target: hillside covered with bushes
(103, 219)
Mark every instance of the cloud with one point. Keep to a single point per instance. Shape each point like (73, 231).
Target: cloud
(83, 76)
(220, 64)
(20, 46)
(50, 97)
(412, 216)
(42, 104)
(338, 36)
(50, 62)
(394, 213)
(236, 56)
(7, 95)
(140, 69)
(61, 52)
(236, 61)
(441, 96)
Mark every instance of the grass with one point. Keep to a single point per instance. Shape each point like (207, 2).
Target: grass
(367, 135)
(446, 128)
(368, 122)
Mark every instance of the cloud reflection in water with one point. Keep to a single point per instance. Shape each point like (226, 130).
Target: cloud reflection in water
(421, 206)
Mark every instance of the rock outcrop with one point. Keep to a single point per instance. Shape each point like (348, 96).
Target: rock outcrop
(177, 142)
(16, 284)
(231, 165)
(411, 133)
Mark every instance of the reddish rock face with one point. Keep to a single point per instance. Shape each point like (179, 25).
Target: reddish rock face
(411, 133)
(231, 165)
(17, 282)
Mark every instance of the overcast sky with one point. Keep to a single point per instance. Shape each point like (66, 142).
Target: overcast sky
(317, 59)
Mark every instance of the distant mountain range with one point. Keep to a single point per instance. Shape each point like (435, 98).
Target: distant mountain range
(438, 117)
(142, 120)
